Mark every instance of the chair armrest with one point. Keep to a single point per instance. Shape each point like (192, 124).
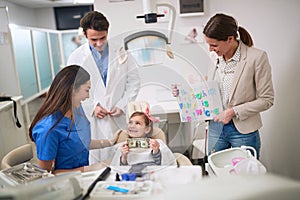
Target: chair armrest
(182, 159)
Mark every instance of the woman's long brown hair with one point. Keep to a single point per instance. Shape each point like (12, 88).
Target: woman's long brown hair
(59, 95)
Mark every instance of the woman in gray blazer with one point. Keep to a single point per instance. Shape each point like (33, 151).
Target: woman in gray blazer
(244, 76)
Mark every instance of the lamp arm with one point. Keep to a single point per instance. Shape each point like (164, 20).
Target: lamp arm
(171, 21)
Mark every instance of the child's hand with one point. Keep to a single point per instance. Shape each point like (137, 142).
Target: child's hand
(125, 151)
(154, 145)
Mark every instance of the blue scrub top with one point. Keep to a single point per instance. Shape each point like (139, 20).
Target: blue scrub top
(67, 143)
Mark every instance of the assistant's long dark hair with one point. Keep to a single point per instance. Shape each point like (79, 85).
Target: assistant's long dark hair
(221, 26)
(59, 95)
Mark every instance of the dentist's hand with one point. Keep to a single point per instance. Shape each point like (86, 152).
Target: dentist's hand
(115, 112)
(100, 112)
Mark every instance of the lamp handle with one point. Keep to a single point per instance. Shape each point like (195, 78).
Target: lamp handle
(121, 59)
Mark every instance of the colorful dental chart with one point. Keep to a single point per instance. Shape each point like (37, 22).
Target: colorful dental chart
(199, 102)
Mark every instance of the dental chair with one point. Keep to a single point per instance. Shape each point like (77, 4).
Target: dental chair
(157, 132)
(17, 156)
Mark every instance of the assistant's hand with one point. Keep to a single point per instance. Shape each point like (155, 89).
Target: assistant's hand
(175, 90)
(116, 112)
(225, 116)
(93, 167)
(154, 145)
(115, 137)
(100, 112)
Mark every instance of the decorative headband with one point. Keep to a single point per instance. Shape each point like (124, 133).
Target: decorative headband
(147, 113)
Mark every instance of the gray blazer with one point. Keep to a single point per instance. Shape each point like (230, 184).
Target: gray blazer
(252, 89)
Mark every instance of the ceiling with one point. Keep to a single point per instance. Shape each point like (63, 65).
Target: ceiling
(45, 3)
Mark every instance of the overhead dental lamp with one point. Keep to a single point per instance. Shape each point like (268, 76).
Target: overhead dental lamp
(150, 9)
(149, 47)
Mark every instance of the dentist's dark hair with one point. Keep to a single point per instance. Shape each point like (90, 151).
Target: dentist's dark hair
(94, 20)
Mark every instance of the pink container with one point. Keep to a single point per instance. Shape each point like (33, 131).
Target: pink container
(236, 160)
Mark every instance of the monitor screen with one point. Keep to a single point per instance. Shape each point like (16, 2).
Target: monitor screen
(69, 17)
(191, 7)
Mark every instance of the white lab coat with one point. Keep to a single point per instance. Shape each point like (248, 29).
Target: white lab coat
(123, 84)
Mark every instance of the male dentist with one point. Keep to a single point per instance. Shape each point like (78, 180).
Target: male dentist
(113, 84)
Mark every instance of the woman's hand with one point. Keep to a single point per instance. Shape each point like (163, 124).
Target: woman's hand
(93, 167)
(115, 137)
(225, 116)
(175, 90)
(46, 164)
(154, 145)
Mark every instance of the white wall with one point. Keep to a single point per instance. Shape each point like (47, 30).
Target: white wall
(45, 18)
(274, 27)
(23, 16)
(20, 15)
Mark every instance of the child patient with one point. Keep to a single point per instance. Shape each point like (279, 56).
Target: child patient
(139, 148)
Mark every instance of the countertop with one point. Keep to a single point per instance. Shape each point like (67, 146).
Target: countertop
(6, 104)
